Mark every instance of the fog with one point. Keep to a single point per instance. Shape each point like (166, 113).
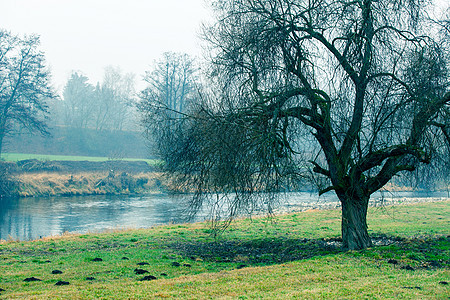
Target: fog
(87, 36)
(91, 38)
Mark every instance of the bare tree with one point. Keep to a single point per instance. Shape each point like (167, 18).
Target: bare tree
(107, 106)
(24, 84)
(356, 90)
(78, 101)
(115, 99)
(164, 103)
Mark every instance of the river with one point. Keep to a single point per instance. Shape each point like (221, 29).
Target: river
(33, 218)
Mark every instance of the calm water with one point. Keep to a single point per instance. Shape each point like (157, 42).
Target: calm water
(31, 218)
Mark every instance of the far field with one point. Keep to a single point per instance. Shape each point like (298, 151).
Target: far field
(293, 256)
(45, 157)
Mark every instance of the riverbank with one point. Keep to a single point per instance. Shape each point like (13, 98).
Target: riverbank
(87, 183)
(37, 178)
(379, 199)
(43, 184)
(292, 256)
(42, 178)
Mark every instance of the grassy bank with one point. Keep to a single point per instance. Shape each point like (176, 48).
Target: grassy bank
(290, 256)
(39, 175)
(93, 183)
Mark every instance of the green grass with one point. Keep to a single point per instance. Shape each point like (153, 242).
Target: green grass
(44, 157)
(291, 256)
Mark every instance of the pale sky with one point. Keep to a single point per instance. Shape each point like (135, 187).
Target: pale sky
(88, 35)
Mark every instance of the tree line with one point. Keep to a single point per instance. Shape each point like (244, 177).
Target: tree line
(84, 109)
(105, 106)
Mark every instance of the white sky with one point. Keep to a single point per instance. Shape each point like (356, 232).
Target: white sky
(88, 35)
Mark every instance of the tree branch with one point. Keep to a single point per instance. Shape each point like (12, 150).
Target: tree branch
(318, 169)
(376, 158)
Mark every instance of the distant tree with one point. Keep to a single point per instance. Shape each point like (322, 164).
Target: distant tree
(24, 85)
(171, 82)
(106, 106)
(354, 91)
(78, 101)
(103, 97)
(115, 99)
(172, 85)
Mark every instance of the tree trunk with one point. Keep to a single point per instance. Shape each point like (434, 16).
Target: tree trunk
(354, 223)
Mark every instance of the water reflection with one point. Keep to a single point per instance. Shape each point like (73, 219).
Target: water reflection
(31, 218)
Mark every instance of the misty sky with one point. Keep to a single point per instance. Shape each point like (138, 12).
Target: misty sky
(88, 35)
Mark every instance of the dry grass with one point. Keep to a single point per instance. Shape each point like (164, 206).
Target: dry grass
(57, 184)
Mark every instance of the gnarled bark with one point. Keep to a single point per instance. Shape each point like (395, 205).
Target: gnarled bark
(354, 222)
